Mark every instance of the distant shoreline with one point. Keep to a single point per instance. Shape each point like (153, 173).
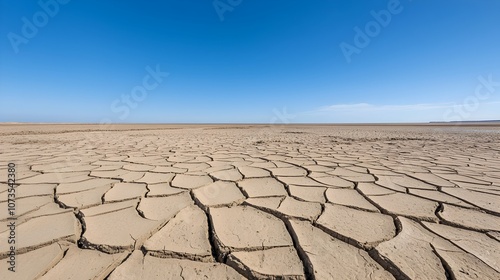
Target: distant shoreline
(454, 122)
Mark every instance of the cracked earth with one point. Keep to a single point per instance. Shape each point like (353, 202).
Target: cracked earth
(258, 202)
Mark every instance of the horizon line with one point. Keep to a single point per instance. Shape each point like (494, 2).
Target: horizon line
(256, 123)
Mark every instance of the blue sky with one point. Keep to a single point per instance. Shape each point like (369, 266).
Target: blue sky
(249, 61)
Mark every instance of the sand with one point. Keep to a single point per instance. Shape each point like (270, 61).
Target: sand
(252, 201)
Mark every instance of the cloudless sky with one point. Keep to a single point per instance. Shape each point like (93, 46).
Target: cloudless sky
(262, 61)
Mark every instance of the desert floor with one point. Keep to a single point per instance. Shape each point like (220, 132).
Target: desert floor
(252, 201)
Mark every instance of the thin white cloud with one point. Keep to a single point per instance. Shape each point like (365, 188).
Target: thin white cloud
(371, 107)
(422, 112)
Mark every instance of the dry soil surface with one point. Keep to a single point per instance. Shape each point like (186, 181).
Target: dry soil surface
(251, 201)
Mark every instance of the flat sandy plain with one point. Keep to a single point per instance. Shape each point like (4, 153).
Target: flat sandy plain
(252, 201)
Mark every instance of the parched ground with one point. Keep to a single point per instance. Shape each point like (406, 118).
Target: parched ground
(252, 201)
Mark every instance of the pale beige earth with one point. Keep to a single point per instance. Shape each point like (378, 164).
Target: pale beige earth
(252, 201)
